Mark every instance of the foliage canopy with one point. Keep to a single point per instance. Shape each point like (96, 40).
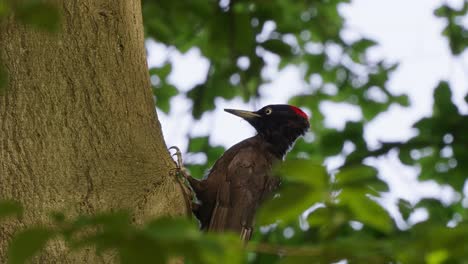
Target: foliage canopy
(320, 216)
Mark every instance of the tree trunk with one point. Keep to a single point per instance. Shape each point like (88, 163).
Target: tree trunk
(79, 131)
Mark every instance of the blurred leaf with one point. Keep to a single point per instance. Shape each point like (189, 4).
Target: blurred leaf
(10, 208)
(405, 156)
(304, 171)
(402, 100)
(4, 8)
(201, 101)
(163, 95)
(315, 63)
(197, 144)
(363, 44)
(172, 229)
(163, 91)
(332, 143)
(356, 176)
(443, 100)
(115, 222)
(162, 72)
(243, 36)
(291, 202)
(296, 260)
(437, 211)
(367, 211)
(44, 16)
(354, 132)
(437, 257)
(3, 81)
(28, 243)
(197, 171)
(319, 217)
(359, 48)
(405, 208)
(58, 217)
(277, 46)
(455, 30)
(214, 153)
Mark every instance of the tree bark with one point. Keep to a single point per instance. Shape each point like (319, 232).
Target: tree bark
(79, 131)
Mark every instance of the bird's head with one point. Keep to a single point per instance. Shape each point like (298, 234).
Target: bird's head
(280, 125)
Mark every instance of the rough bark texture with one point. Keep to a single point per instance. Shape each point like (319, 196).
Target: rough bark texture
(79, 132)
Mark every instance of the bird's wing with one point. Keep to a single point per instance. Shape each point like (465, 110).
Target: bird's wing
(239, 194)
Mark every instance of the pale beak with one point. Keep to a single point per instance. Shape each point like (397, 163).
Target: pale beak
(247, 115)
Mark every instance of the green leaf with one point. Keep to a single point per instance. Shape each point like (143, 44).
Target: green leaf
(315, 63)
(163, 91)
(102, 231)
(202, 99)
(359, 48)
(354, 131)
(28, 243)
(443, 104)
(356, 176)
(142, 251)
(304, 184)
(402, 100)
(332, 143)
(163, 96)
(319, 217)
(197, 144)
(3, 81)
(10, 208)
(277, 46)
(161, 72)
(405, 156)
(405, 208)
(367, 211)
(44, 16)
(441, 11)
(437, 257)
(214, 153)
(172, 229)
(244, 37)
(370, 109)
(293, 200)
(115, 221)
(304, 171)
(58, 217)
(197, 170)
(4, 8)
(363, 44)
(437, 210)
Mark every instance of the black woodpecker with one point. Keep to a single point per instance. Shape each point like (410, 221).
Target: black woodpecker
(241, 179)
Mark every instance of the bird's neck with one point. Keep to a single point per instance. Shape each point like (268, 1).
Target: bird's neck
(280, 143)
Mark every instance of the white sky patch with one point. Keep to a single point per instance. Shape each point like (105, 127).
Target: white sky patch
(229, 129)
(189, 69)
(337, 114)
(286, 83)
(157, 53)
(382, 128)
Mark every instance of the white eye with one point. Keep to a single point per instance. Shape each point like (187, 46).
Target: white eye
(268, 111)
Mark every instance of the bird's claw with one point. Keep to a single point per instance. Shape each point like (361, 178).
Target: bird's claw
(184, 179)
(178, 153)
(179, 163)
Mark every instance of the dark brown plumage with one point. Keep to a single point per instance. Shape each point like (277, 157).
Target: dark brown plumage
(241, 179)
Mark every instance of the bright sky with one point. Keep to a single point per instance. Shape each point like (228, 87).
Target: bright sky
(407, 32)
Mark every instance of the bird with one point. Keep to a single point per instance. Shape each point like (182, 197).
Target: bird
(241, 179)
